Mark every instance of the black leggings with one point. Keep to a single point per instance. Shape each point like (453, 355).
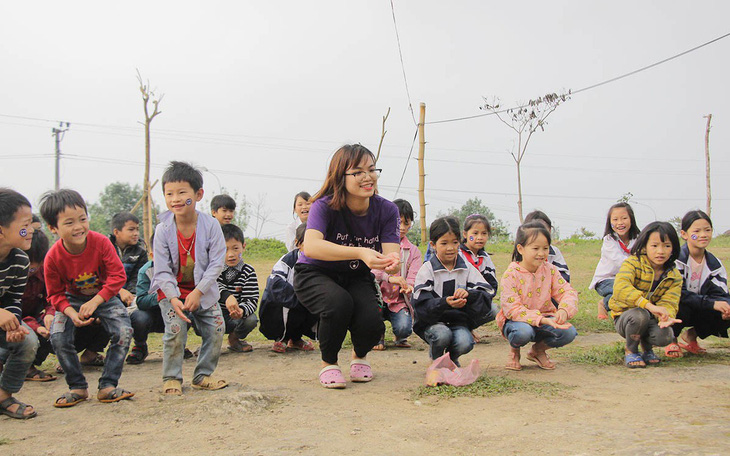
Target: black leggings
(342, 301)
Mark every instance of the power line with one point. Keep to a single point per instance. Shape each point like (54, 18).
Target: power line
(402, 65)
(608, 81)
(415, 135)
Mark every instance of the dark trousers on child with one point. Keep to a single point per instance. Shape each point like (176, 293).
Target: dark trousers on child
(639, 325)
(342, 301)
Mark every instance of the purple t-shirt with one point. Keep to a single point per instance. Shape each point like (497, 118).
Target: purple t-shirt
(381, 225)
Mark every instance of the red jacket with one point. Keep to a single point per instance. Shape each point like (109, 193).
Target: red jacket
(96, 270)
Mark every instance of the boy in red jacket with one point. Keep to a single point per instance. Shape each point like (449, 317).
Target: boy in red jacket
(83, 277)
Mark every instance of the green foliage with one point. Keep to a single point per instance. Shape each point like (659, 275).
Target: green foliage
(500, 229)
(414, 235)
(625, 198)
(116, 197)
(491, 386)
(676, 223)
(264, 248)
(583, 233)
(242, 216)
(598, 355)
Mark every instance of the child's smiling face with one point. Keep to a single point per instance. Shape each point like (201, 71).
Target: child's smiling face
(699, 234)
(301, 208)
(620, 221)
(180, 198)
(73, 228)
(534, 252)
(19, 232)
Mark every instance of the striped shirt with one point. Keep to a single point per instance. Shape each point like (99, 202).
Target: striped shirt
(13, 277)
(241, 282)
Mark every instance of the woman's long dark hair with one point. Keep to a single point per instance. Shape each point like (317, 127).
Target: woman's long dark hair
(346, 157)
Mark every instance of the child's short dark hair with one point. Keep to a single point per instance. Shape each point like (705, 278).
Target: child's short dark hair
(539, 216)
(55, 202)
(222, 201)
(36, 219)
(303, 195)
(299, 233)
(121, 218)
(442, 226)
(178, 171)
(472, 220)
(405, 209)
(10, 202)
(666, 231)
(38, 247)
(633, 230)
(527, 233)
(692, 216)
(231, 231)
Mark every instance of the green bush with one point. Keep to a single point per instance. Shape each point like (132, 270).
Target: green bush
(264, 248)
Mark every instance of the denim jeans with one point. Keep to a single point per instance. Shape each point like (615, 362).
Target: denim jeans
(401, 322)
(457, 340)
(242, 327)
(145, 322)
(210, 324)
(115, 320)
(520, 334)
(20, 356)
(605, 289)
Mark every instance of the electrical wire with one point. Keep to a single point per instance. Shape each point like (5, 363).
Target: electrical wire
(415, 135)
(402, 65)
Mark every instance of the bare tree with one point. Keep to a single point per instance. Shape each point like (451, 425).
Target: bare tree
(147, 94)
(525, 120)
(261, 213)
(707, 165)
(382, 134)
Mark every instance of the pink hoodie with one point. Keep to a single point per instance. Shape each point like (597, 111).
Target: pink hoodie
(410, 258)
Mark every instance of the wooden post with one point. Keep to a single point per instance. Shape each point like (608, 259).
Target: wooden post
(707, 164)
(422, 171)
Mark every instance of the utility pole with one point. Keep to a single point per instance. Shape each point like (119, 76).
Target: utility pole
(422, 170)
(707, 164)
(58, 134)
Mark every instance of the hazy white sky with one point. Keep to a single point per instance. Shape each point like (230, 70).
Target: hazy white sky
(261, 93)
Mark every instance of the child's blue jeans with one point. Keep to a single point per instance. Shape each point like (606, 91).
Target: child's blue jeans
(144, 322)
(241, 327)
(211, 326)
(20, 356)
(115, 320)
(605, 289)
(401, 322)
(520, 334)
(457, 340)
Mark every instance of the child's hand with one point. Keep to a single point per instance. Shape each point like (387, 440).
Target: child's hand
(374, 260)
(8, 321)
(461, 293)
(456, 303)
(724, 308)
(43, 332)
(233, 308)
(661, 313)
(16, 335)
(89, 307)
(179, 307)
(554, 323)
(127, 297)
(561, 316)
(394, 266)
(192, 302)
(48, 321)
(668, 322)
(74, 316)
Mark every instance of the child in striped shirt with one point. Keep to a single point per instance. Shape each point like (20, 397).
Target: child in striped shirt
(239, 289)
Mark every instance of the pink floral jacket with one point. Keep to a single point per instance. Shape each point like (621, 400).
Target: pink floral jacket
(527, 297)
(410, 258)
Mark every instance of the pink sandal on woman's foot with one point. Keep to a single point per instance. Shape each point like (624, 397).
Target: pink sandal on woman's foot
(331, 377)
(360, 371)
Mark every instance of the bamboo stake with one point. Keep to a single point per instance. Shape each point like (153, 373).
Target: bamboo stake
(422, 171)
(707, 164)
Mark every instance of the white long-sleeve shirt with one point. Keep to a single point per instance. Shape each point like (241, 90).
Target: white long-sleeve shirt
(612, 256)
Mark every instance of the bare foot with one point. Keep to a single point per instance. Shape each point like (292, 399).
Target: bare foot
(514, 360)
(602, 314)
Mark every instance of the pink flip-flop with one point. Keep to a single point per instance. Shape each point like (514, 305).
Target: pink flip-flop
(360, 371)
(331, 377)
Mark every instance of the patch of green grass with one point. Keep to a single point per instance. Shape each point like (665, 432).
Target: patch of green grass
(598, 355)
(4, 441)
(491, 386)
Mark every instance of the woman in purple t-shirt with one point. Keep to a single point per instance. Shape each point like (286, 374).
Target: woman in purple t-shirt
(350, 231)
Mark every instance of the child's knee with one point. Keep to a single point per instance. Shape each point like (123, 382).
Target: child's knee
(438, 334)
(28, 347)
(664, 337)
(520, 334)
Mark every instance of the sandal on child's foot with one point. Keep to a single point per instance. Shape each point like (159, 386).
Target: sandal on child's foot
(692, 347)
(380, 345)
(138, 354)
(210, 383)
(69, 399)
(360, 371)
(634, 361)
(115, 395)
(279, 347)
(673, 351)
(602, 314)
(541, 359)
(96, 361)
(650, 358)
(172, 388)
(301, 344)
(19, 413)
(36, 375)
(403, 343)
(331, 377)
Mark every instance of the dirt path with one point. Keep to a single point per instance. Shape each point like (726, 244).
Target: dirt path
(276, 407)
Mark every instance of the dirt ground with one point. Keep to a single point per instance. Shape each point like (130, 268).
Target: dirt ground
(275, 406)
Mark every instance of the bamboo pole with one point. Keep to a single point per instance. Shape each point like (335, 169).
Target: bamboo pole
(422, 170)
(707, 164)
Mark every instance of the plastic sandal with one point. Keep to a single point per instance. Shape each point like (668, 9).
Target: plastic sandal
(301, 344)
(36, 375)
(673, 351)
(19, 414)
(97, 361)
(331, 377)
(402, 343)
(116, 395)
(211, 384)
(631, 358)
(71, 399)
(547, 366)
(172, 388)
(138, 355)
(279, 347)
(692, 347)
(650, 358)
(360, 371)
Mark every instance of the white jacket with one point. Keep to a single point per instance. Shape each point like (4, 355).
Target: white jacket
(612, 256)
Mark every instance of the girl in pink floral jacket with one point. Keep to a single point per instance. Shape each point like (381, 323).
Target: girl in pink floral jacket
(528, 313)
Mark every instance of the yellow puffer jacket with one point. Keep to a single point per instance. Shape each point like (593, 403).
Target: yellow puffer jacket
(632, 287)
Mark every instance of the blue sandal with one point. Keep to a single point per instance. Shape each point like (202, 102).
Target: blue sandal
(650, 358)
(634, 358)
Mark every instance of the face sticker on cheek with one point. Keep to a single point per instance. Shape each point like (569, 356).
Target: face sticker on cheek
(694, 237)
(23, 232)
(471, 238)
(188, 201)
